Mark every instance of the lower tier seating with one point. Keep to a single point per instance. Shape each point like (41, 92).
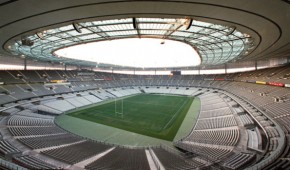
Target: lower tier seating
(77, 152)
(238, 160)
(7, 148)
(172, 161)
(32, 162)
(122, 158)
(208, 151)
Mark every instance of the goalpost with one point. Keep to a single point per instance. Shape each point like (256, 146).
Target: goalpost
(119, 107)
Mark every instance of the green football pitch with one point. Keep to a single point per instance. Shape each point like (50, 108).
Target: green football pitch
(158, 116)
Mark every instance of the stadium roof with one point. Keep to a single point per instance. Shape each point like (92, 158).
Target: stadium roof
(221, 31)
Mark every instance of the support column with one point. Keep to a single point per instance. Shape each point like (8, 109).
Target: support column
(25, 63)
(256, 65)
(226, 69)
(198, 71)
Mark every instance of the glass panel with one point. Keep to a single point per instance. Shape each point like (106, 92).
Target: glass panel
(207, 37)
(183, 34)
(91, 36)
(65, 28)
(52, 38)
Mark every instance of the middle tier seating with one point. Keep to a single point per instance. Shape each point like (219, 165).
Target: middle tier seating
(218, 122)
(218, 137)
(32, 131)
(29, 121)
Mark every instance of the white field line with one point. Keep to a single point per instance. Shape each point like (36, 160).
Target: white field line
(175, 114)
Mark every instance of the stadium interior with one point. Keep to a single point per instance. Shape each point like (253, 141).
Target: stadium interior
(238, 88)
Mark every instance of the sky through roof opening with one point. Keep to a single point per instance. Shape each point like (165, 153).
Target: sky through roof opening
(135, 52)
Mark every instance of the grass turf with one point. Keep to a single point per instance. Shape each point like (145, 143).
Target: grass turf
(158, 116)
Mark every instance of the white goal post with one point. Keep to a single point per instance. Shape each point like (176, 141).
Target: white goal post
(119, 107)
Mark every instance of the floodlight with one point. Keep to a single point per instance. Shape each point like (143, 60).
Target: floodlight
(231, 30)
(134, 23)
(188, 23)
(40, 35)
(77, 27)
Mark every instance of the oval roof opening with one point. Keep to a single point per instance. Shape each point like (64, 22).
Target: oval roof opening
(135, 52)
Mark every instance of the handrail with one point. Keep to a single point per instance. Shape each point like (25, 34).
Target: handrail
(154, 159)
